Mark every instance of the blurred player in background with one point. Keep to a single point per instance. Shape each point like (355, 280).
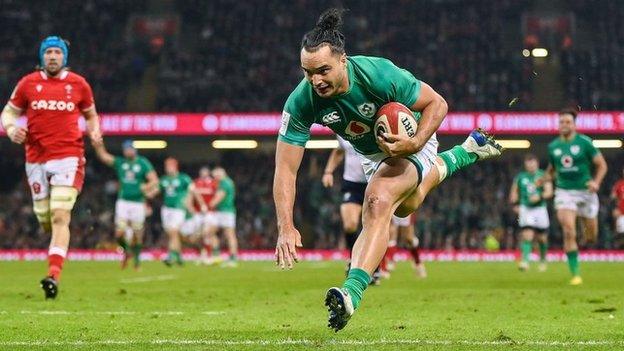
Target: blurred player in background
(353, 187)
(224, 204)
(175, 188)
(137, 178)
(402, 230)
(617, 194)
(206, 187)
(572, 158)
(528, 195)
(344, 94)
(53, 98)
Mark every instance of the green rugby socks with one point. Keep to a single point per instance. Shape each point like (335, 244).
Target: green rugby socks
(457, 158)
(121, 241)
(573, 263)
(526, 247)
(357, 281)
(136, 253)
(543, 249)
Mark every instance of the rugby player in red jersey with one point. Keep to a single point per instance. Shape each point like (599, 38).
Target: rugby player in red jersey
(53, 98)
(206, 187)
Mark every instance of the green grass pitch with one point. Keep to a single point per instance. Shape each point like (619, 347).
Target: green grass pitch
(460, 306)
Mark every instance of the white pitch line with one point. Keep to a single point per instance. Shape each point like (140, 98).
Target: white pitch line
(213, 313)
(331, 342)
(156, 278)
(165, 313)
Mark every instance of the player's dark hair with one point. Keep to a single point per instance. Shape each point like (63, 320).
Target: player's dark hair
(528, 157)
(326, 32)
(569, 111)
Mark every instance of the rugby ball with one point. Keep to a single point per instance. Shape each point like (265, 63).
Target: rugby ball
(395, 118)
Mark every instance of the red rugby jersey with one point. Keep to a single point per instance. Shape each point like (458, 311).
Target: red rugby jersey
(52, 106)
(207, 188)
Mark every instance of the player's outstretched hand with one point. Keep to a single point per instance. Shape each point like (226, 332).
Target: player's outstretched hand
(328, 180)
(397, 145)
(17, 134)
(286, 249)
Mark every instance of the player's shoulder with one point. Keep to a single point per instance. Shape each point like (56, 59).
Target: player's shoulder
(554, 143)
(34, 76)
(73, 77)
(584, 138)
(300, 99)
(370, 61)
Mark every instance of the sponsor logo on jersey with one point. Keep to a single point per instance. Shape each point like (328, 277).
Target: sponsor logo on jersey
(574, 149)
(367, 109)
(356, 129)
(567, 161)
(330, 118)
(285, 120)
(52, 105)
(557, 152)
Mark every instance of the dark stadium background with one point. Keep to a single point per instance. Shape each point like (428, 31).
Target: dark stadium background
(242, 56)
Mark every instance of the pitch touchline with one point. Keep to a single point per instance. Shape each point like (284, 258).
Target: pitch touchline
(170, 313)
(316, 342)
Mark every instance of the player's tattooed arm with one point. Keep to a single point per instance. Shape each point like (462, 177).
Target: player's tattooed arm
(600, 166)
(287, 161)
(335, 158)
(433, 109)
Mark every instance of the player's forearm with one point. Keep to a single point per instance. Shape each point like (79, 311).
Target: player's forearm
(9, 118)
(336, 156)
(601, 172)
(432, 116)
(284, 190)
(219, 196)
(513, 195)
(93, 121)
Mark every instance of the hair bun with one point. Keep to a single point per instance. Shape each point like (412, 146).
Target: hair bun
(330, 19)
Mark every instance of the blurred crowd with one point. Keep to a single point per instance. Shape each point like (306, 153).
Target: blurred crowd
(94, 30)
(461, 213)
(592, 72)
(226, 55)
(246, 54)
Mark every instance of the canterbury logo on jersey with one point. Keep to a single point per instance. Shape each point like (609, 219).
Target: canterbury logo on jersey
(330, 118)
(52, 105)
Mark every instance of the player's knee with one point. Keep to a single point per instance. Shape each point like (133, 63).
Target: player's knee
(60, 217)
(350, 225)
(377, 204)
(41, 208)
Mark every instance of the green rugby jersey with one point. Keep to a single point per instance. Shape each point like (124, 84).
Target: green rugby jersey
(175, 189)
(373, 82)
(227, 204)
(573, 161)
(131, 174)
(527, 187)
